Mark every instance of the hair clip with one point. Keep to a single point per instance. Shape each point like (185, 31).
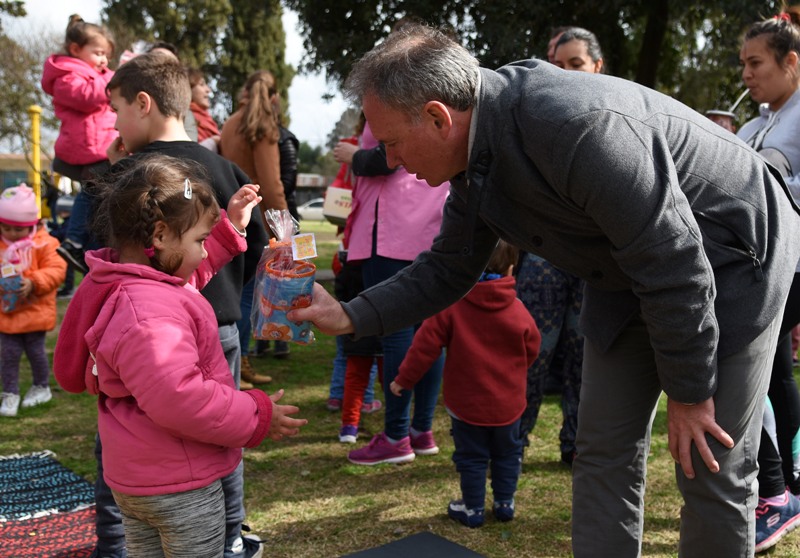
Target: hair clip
(187, 189)
(784, 16)
(150, 252)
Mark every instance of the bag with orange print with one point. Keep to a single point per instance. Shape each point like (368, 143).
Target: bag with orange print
(284, 281)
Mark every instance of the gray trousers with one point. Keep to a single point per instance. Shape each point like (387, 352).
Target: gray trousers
(180, 525)
(619, 397)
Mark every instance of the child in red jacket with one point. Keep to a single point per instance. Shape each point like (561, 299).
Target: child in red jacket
(491, 340)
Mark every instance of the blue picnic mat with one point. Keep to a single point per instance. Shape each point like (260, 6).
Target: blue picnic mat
(36, 484)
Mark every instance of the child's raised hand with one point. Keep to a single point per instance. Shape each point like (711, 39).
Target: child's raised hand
(241, 204)
(282, 425)
(396, 388)
(116, 150)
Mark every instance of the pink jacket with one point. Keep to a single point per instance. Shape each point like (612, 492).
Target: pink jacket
(169, 415)
(409, 213)
(81, 103)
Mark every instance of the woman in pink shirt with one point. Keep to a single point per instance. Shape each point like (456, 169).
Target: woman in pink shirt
(395, 217)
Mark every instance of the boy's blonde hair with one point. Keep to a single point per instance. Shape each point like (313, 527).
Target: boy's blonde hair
(159, 75)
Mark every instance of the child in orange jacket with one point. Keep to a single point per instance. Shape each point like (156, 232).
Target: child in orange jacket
(31, 272)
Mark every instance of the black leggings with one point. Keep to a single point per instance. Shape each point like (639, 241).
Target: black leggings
(776, 465)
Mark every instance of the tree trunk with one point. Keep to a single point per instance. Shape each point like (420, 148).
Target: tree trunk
(650, 54)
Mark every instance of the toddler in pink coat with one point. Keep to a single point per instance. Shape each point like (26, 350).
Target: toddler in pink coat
(139, 334)
(77, 78)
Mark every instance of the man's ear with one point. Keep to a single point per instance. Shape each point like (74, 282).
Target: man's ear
(159, 234)
(438, 114)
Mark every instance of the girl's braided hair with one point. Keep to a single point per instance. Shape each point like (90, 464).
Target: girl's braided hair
(149, 190)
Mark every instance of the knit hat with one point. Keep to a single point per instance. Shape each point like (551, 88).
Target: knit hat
(18, 207)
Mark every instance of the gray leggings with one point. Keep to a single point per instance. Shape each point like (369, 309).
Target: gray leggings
(180, 525)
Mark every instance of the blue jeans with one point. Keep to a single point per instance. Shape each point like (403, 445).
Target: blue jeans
(337, 376)
(395, 346)
(477, 448)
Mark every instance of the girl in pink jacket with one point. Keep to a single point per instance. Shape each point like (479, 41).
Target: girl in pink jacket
(139, 334)
(77, 79)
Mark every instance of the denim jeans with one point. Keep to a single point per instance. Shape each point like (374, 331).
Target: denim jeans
(395, 345)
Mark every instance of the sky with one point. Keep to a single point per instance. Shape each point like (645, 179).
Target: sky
(312, 118)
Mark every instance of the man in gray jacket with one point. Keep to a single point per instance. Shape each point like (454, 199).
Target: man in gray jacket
(685, 237)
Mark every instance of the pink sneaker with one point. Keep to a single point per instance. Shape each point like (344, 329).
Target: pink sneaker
(369, 408)
(333, 404)
(381, 450)
(424, 444)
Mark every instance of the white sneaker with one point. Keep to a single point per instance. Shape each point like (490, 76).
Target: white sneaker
(36, 396)
(10, 404)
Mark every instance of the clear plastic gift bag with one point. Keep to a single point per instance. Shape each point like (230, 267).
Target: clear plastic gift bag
(16, 259)
(283, 282)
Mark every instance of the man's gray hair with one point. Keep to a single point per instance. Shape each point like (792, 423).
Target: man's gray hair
(414, 65)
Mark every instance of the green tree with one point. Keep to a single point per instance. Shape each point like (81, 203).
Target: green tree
(685, 48)
(254, 40)
(227, 39)
(20, 75)
(193, 26)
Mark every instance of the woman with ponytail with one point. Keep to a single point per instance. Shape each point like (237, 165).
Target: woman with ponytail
(769, 59)
(250, 136)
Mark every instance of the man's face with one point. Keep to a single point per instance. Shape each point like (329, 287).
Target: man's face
(418, 147)
(129, 123)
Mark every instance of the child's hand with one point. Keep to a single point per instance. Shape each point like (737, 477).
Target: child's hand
(26, 288)
(116, 151)
(282, 425)
(396, 388)
(241, 204)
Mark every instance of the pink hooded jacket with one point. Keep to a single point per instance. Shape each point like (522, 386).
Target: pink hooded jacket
(169, 415)
(81, 103)
(406, 211)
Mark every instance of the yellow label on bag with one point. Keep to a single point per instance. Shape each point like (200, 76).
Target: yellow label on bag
(304, 246)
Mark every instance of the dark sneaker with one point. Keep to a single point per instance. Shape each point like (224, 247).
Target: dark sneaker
(460, 512)
(381, 450)
(348, 434)
(503, 510)
(253, 546)
(281, 350)
(74, 255)
(773, 521)
(424, 444)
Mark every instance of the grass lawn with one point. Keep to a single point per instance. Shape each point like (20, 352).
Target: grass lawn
(307, 500)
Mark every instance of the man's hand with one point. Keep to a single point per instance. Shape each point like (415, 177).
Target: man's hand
(325, 312)
(691, 423)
